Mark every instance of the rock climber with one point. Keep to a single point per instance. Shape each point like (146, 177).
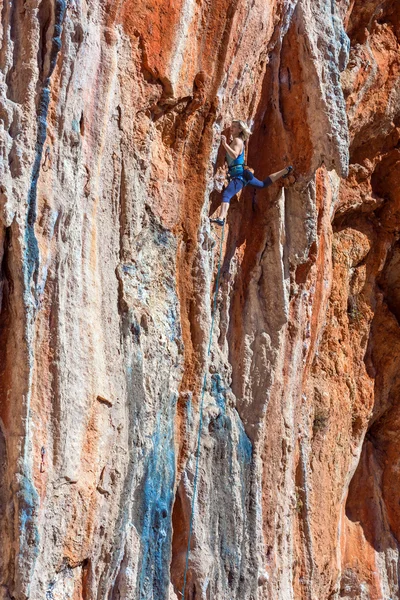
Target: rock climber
(239, 175)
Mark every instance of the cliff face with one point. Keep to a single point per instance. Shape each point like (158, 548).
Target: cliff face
(110, 115)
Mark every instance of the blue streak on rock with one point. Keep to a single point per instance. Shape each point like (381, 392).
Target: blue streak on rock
(162, 238)
(245, 447)
(218, 392)
(342, 40)
(130, 269)
(156, 522)
(27, 502)
(26, 496)
(32, 252)
(221, 426)
(245, 457)
(174, 324)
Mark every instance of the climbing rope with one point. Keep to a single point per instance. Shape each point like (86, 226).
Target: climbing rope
(203, 391)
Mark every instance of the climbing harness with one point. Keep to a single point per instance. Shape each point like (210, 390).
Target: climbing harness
(235, 170)
(238, 169)
(203, 391)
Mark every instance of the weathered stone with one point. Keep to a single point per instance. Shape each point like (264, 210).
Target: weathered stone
(110, 123)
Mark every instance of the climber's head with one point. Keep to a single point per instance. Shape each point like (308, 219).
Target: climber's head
(240, 129)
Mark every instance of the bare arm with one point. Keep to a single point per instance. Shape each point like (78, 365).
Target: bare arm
(235, 148)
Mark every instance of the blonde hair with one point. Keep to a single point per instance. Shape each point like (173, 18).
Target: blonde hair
(245, 131)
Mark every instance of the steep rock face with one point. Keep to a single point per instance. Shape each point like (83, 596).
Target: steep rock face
(110, 118)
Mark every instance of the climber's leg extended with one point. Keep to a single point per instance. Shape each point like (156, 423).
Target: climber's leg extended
(260, 184)
(234, 187)
(271, 179)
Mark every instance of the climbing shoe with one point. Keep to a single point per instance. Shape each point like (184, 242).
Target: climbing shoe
(218, 221)
(289, 170)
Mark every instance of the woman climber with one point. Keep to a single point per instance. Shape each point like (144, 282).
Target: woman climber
(239, 176)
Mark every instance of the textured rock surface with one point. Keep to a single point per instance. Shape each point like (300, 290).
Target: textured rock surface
(110, 115)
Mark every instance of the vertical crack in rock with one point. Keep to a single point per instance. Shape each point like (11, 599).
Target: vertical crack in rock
(18, 307)
(48, 61)
(156, 518)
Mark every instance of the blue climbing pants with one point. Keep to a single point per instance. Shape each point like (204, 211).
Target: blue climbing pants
(236, 184)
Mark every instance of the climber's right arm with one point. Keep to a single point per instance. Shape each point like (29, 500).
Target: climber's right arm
(235, 148)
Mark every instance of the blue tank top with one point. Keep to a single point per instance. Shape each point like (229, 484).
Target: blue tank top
(236, 165)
